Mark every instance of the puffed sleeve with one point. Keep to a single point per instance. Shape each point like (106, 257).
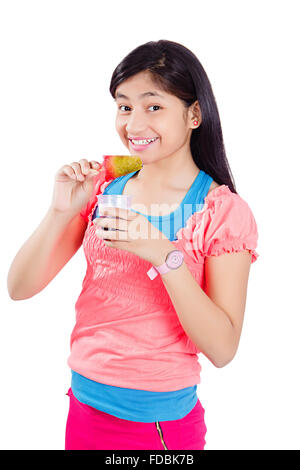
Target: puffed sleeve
(99, 186)
(227, 225)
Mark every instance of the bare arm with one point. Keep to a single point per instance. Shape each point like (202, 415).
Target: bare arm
(44, 254)
(212, 319)
(59, 234)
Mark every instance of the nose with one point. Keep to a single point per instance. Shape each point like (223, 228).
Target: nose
(136, 123)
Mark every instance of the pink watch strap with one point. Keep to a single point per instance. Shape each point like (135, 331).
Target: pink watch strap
(154, 271)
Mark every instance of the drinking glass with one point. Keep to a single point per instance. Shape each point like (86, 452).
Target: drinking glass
(113, 200)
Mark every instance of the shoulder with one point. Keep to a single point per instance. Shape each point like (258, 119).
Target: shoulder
(229, 209)
(225, 224)
(221, 200)
(213, 186)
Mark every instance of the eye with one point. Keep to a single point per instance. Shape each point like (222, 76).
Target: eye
(123, 105)
(154, 106)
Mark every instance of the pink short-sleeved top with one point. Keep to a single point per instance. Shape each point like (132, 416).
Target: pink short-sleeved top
(127, 332)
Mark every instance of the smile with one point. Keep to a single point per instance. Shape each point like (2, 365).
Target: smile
(143, 142)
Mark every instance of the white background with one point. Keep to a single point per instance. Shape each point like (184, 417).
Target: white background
(57, 58)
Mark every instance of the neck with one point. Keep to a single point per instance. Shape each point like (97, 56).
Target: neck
(168, 172)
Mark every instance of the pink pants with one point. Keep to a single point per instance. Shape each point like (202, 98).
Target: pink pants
(90, 429)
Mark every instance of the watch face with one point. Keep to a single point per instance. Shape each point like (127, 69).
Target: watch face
(174, 259)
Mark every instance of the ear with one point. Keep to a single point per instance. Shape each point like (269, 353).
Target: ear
(195, 113)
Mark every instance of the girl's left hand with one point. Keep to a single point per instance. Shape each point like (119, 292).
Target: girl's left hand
(135, 234)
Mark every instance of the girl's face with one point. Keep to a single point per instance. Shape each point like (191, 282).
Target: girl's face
(162, 117)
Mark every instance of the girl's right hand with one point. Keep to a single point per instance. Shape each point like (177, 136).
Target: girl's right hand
(74, 185)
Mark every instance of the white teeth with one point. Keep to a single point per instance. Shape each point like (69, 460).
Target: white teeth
(143, 142)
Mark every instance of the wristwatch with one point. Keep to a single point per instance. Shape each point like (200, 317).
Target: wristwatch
(174, 260)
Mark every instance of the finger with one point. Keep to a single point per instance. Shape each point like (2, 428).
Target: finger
(96, 165)
(106, 223)
(85, 166)
(69, 171)
(112, 223)
(109, 235)
(125, 214)
(77, 169)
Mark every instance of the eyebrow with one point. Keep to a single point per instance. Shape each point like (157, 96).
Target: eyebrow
(142, 95)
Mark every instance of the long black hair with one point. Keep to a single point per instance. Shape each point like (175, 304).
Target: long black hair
(176, 70)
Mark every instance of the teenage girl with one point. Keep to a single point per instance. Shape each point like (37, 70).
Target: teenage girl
(170, 282)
